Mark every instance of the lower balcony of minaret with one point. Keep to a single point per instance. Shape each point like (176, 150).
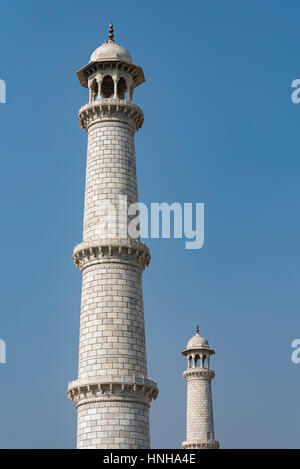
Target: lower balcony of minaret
(195, 373)
(96, 251)
(113, 387)
(200, 444)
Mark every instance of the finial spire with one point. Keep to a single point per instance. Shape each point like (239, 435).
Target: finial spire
(197, 328)
(111, 33)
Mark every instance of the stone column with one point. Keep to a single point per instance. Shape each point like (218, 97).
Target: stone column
(99, 81)
(115, 87)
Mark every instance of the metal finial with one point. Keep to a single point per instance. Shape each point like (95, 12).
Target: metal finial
(197, 328)
(111, 32)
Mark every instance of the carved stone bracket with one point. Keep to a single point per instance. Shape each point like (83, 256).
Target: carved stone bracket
(107, 388)
(104, 250)
(198, 373)
(110, 108)
(201, 444)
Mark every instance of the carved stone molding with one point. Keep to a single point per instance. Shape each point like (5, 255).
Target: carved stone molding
(111, 402)
(111, 66)
(201, 444)
(111, 108)
(113, 388)
(133, 403)
(198, 373)
(106, 250)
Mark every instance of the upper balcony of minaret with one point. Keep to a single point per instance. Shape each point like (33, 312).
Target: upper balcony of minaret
(198, 355)
(111, 78)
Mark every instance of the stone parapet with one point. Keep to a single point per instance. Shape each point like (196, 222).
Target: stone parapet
(196, 373)
(201, 444)
(113, 387)
(111, 109)
(102, 250)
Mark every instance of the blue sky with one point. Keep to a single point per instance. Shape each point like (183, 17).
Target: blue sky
(220, 128)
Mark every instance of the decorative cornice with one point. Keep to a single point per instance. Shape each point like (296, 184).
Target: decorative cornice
(92, 68)
(104, 250)
(194, 373)
(111, 402)
(113, 388)
(113, 109)
(201, 444)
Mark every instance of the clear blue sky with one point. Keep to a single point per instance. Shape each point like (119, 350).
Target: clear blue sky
(220, 128)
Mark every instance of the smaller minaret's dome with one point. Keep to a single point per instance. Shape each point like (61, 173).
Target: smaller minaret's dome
(197, 341)
(111, 51)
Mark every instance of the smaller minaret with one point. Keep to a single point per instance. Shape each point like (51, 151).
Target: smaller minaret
(199, 420)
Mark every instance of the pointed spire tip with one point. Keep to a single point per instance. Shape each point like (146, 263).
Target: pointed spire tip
(111, 32)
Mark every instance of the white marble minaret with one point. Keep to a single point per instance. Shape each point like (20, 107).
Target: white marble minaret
(199, 419)
(112, 392)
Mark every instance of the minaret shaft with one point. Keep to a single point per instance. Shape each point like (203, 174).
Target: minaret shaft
(110, 173)
(199, 420)
(112, 338)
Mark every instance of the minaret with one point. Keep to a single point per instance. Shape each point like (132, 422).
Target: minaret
(112, 392)
(199, 419)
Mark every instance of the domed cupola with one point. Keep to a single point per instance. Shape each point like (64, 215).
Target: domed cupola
(112, 63)
(198, 351)
(111, 51)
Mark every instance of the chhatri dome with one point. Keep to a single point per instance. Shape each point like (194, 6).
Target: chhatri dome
(197, 341)
(111, 52)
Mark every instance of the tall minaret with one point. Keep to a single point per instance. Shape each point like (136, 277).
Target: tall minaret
(112, 393)
(199, 420)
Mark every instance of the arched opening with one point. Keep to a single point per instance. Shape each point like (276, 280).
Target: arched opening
(94, 89)
(107, 87)
(122, 88)
(204, 361)
(197, 361)
(190, 361)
